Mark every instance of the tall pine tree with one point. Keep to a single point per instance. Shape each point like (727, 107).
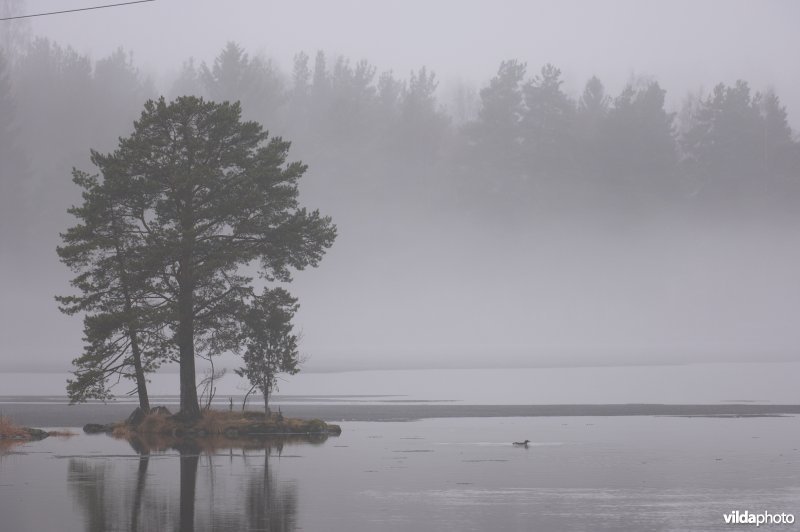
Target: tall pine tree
(206, 195)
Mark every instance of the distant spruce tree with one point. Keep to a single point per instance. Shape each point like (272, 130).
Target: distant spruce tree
(49, 112)
(421, 125)
(297, 101)
(491, 160)
(780, 154)
(594, 102)
(501, 109)
(739, 144)
(592, 112)
(203, 194)
(352, 93)
(638, 140)
(724, 140)
(548, 125)
(255, 81)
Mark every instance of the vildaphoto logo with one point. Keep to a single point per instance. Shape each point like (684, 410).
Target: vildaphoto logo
(765, 518)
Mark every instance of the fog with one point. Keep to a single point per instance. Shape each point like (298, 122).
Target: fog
(560, 297)
(629, 242)
(687, 45)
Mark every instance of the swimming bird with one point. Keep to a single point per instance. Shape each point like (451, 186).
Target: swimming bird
(521, 443)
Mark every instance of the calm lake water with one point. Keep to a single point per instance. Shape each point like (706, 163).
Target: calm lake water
(635, 473)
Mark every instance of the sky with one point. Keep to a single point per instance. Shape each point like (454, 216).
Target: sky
(445, 297)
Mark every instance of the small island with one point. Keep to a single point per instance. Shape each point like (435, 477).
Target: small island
(160, 422)
(11, 434)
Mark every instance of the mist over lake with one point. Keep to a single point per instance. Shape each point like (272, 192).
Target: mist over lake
(352, 265)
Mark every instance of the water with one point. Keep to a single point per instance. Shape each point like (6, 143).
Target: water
(579, 473)
(417, 455)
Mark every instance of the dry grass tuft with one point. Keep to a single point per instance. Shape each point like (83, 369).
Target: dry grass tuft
(155, 423)
(11, 431)
(7, 445)
(62, 433)
(122, 431)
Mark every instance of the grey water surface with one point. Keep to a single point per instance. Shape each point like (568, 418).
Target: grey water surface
(578, 473)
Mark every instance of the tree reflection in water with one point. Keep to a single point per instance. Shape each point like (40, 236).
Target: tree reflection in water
(87, 479)
(141, 476)
(114, 496)
(270, 505)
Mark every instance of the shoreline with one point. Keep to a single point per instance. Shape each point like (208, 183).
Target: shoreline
(63, 415)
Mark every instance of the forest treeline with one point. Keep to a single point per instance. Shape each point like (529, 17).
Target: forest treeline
(380, 143)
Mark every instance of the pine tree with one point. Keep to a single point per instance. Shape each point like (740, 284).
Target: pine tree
(270, 346)
(208, 194)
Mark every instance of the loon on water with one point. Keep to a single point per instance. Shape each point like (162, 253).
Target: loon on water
(521, 443)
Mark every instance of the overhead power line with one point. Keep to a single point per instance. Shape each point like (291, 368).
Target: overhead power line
(78, 9)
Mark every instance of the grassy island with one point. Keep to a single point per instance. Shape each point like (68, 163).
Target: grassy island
(11, 433)
(214, 423)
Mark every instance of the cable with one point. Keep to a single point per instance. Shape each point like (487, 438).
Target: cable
(79, 9)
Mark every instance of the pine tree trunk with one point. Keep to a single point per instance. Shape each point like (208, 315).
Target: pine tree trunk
(141, 477)
(266, 389)
(190, 407)
(189, 461)
(141, 381)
